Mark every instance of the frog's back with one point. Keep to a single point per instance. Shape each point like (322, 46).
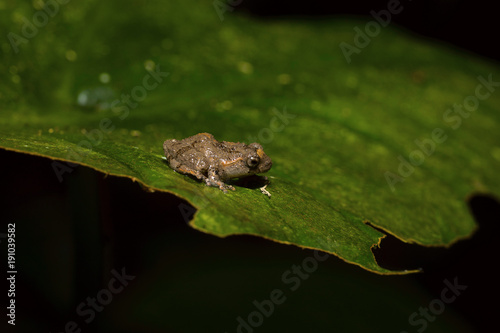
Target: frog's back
(190, 152)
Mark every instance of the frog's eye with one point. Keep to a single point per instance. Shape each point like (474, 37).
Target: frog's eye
(253, 161)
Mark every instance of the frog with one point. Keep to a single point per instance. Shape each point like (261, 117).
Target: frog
(216, 162)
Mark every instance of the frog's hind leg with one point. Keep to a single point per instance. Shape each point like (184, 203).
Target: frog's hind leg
(187, 171)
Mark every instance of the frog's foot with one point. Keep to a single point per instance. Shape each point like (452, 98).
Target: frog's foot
(225, 187)
(218, 183)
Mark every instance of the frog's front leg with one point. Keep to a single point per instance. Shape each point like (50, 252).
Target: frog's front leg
(213, 179)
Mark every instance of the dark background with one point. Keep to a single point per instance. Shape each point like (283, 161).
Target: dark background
(70, 234)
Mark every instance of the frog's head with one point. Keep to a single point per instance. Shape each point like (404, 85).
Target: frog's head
(252, 161)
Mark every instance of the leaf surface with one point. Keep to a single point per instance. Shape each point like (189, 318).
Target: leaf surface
(367, 141)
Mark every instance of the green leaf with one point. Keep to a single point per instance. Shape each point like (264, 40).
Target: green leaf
(88, 95)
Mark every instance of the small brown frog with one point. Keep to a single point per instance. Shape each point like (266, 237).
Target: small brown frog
(215, 162)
